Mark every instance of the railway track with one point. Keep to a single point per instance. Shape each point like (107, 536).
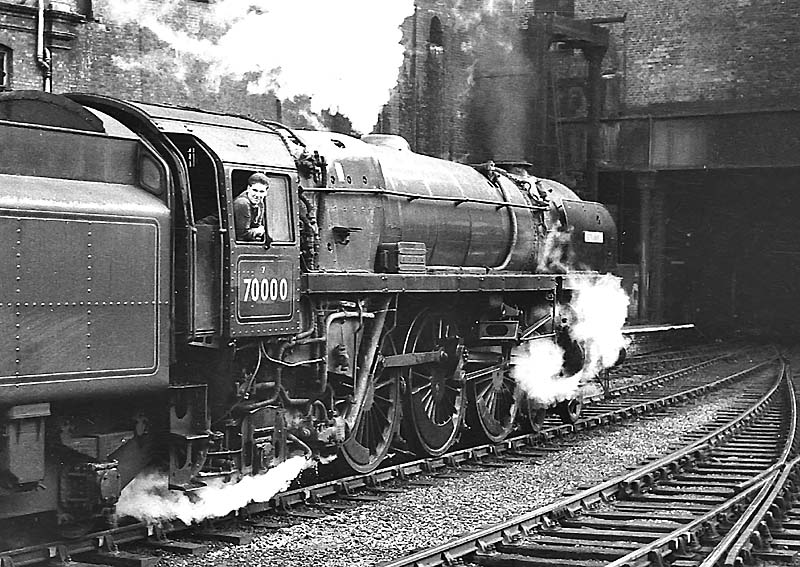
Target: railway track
(314, 501)
(721, 500)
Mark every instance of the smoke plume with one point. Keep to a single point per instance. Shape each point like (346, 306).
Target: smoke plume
(344, 55)
(148, 498)
(497, 81)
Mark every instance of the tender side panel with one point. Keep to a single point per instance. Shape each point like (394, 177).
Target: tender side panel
(84, 294)
(85, 301)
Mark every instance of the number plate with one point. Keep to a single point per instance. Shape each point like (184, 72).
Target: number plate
(266, 290)
(593, 236)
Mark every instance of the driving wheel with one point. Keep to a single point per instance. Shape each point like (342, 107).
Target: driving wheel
(373, 430)
(434, 392)
(492, 403)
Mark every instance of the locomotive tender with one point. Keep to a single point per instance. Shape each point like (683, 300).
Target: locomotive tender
(138, 332)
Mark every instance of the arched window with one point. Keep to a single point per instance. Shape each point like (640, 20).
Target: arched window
(84, 8)
(5, 67)
(436, 36)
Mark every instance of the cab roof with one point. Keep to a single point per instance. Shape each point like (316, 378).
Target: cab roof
(235, 139)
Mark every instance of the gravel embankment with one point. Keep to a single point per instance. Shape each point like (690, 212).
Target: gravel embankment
(427, 516)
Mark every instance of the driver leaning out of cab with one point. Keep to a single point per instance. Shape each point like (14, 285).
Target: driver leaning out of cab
(248, 211)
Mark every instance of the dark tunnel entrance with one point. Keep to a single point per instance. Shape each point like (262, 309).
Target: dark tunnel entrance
(724, 246)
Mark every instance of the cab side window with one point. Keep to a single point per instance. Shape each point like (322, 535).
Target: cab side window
(276, 211)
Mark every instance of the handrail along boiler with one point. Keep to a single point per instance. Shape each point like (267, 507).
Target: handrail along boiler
(140, 333)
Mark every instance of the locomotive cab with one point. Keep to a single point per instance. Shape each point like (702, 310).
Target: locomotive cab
(213, 156)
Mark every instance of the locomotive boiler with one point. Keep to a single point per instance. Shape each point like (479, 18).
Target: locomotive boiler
(139, 333)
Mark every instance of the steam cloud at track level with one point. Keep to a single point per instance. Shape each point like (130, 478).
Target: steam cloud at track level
(148, 498)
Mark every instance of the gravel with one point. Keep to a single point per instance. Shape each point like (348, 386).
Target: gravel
(427, 516)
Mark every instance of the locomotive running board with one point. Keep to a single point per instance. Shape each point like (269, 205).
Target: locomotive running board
(327, 282)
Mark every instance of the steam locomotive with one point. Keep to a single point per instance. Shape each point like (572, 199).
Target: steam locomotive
(138, 332)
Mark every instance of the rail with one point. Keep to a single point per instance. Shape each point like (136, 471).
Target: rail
(737, 545)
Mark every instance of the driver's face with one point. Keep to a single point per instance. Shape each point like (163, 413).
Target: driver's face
(257, 192)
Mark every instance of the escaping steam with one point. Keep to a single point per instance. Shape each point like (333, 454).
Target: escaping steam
(537, 370)
(595, 316)
(344, 55)
(599, 308)
(557, 254)
(147, 497)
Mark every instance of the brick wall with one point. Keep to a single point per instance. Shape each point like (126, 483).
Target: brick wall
(427, 106)
(437, 106)
(17, 34)
(674, 53)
